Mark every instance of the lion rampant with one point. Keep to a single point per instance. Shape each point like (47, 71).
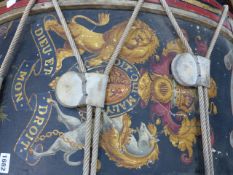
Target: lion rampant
(139, 46)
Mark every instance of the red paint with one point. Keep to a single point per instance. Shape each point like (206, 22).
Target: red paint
(173, 3)
(213, 3)
(18, 4)
(186, 159)
(212, 139)
(195, 9)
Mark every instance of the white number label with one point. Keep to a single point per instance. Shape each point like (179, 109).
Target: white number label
(4, 163)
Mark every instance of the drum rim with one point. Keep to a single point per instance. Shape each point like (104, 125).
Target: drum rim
(152, 8)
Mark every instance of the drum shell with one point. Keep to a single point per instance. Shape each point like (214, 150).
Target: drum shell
(141, 89)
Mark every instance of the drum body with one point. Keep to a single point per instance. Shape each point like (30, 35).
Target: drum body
(154, 125)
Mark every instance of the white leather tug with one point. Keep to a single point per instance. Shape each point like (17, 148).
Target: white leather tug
(77, 89)
(190, 70)
(96, 85)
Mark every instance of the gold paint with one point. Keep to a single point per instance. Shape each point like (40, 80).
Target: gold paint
(113, 142)
(158, 121)
(32, 118)
(144, 87)
(213, 108)
(53, 83)
(175, 46)
(43, 48)
(212, 91)
(185, 98)
(186, 136)
(141, 43)
(119, 86)
(98, 165)
(162, 89)
(60, 134)
(139, 46)
(152, 129)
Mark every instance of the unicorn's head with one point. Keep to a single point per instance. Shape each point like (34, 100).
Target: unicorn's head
(144, 136)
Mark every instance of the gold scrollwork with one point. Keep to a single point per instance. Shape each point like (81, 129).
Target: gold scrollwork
(114, 143)
(186, 136)
(144, 87)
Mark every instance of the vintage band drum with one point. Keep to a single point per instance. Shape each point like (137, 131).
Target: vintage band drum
(153, 122)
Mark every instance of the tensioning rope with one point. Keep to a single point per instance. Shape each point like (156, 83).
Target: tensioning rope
(202, 91)
(107, 72)
(8, 59)
(88, 134)
(98, 111)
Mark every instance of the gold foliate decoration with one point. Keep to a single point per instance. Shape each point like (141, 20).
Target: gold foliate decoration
(213, 108)
(212, 91)
(152, 129)
(114, 144)
(161, 89)
(186, 136)
(184, 98)
(144, 87)
(99, 164)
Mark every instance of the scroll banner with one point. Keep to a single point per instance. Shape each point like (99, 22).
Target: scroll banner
(18, 89)
(44, 66)
(45, 47)
(35, 102)
(39, 120)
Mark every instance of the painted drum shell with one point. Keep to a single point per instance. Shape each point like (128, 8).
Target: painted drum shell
(153, 122)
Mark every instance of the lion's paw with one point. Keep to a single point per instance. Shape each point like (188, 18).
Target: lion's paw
(94, 62)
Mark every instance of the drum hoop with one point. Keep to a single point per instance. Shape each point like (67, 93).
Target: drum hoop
(119, 5)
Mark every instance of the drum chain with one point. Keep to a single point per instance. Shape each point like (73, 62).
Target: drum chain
(49, 135)
(60, 134)
(72, 143)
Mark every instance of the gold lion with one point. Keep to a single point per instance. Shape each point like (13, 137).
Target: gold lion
(139, 46)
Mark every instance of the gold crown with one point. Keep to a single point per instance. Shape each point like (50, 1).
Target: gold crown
(162, 89)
